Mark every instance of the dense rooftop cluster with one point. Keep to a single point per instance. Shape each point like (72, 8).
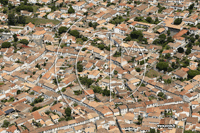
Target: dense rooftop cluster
(99, 66)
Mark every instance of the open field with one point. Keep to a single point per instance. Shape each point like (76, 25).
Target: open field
(37, 21)
(152, 74)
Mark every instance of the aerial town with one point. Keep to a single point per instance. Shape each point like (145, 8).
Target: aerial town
(99, 66)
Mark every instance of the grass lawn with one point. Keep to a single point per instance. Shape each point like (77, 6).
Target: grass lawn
(35, 8)
(38, 21)
(152, 73)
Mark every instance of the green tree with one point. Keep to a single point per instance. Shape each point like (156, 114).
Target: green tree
(85, 13)
(192, 73)
(18, 92)
(142, 62)
(24, 7)
(167, 56)
(162, 66)
(170, 39)
(79, 67)
(5, 124)
(152, 130)
(15, 38)
(139, 120)
(71, 10)
(115, 72)
(136, 35)
(180, 50)
(168, 32)
(90, 24)
(177, 21)
(11, 19)
(191, 7)
(6, 45)
(24, 41)
(62, 29)
(86, 81)
(188, 51)
(47, 112)
(137, 69)
(10, 6)
(74, 33)
(101, 46)
(63, 89)
(138, 18)
(106, 92)
(192, 39)
(197, 36)
(161, 94)
(162, 38)
(149, 20)
(97, 89)
(4, 2)
(94, 25)
(5, 11)
(21, 20)
(156, 21)
(167, 81)
(36, 108)
(68, 111)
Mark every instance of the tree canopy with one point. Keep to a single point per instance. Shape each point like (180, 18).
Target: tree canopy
(162, 66)
(71, 10)
(4, 2)
(79, 67)
(68, 111)
(177, 21)
(149, 20)
(162, 37)
(192, 73)
(86, 81)
(13, 20)
(62, 29)
(6, 45)
(24, 7)
(180, 50)
(136, 34)
(5, 124)
(74, 33)
(188, 51)
(24, 41)
(15, 38)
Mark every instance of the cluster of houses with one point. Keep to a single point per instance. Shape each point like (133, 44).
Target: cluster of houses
(100, 75)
